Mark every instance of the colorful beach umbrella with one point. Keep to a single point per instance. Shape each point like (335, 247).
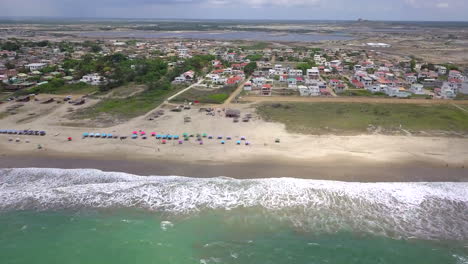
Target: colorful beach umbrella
(223, 142)
(134, 132)
(238, 142)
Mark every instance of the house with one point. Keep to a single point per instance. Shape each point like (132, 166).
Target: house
(234, 80)
(340, 88)
(417, 88)
(411, 78)
(358, 84)
(442, 70)
(313, 73)
(35, 66)
(292, 81)
(334, 82)
(93, 79)
(266, 90)
(248, 86)
(295, 73)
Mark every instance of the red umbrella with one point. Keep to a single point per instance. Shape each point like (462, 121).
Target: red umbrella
(143, 133)
(153, 134)
(134, 132)
(69, 139)
(164, 141)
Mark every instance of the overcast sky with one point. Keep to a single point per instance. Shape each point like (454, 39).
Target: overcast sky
(436, 10)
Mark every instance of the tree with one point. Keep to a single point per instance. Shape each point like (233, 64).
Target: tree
(9, 65)
(413, 65)
(11, 46)
(304, 66)
(250, 68)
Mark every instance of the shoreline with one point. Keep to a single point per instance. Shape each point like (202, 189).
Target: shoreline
(348, 171)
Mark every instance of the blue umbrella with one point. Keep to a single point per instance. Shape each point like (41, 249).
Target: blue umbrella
(91, 134)
(222, 142)
(110, 135)
(103, 135)
(158, 136)
(134, 136)
(238, 142)
(85, 134)
(97, 135)
(176, 137)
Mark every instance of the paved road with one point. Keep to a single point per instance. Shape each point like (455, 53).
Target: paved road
(347, 100)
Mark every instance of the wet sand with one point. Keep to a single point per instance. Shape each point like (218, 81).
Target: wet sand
(351, 171)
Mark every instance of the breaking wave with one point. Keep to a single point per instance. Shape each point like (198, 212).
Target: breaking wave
(402, 210)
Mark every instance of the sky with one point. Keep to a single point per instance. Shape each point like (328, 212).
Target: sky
(408, 10)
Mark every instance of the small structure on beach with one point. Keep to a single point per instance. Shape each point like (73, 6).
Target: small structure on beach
(234, 113)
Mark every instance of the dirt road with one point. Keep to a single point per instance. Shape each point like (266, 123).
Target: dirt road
(348, 100)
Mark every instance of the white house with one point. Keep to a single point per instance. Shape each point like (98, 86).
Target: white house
(313, 73)
(93, 79)
(35, 66)
(417, 88)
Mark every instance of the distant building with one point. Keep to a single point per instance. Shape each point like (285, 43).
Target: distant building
(35, 66)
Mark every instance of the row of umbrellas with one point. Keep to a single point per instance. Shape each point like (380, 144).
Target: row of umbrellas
(184, 135)
(23, 132)
(99, 135)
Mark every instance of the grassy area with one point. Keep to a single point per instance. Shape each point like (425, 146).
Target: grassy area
(349, 118)
(76, 88)
(256, 46)
(362, 93)
(216, 96)
(126, 108)
(461, 96)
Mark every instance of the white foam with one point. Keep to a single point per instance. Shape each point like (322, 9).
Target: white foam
(428, 210)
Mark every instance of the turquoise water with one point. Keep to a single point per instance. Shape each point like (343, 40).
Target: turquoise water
(238, 236)
(90, 216)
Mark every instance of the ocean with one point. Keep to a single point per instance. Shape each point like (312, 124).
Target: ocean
(91, 216)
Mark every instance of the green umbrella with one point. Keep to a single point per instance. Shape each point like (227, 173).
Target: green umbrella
(205, 135)
(185, 134)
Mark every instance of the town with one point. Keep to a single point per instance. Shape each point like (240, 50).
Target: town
(262, 71)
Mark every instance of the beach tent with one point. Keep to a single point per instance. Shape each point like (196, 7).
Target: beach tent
(238, 142)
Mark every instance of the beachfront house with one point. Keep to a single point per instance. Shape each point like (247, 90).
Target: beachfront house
(417, 88)
(313, 73)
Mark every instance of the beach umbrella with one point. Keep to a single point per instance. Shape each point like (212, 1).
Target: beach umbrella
(210, 137)
(134, 136)
(180, 142)
(223, 142)
(242, 138)
(228, 138)
(134, 132)
(153, 134)
(164, 141)
(97, 135)
(164, 136)
(85, 134)
(220, 137)
(204, 135)
(176, 137)
(17, 140)
(103, 135)
(143, 137)
(238, 142)
(43, 133)
(110, 136)
(186, 138)
(201, 142)
(185, 134)
(247, 143)
(69, 139)
(158, 136)
(91, 134)
(142, 133)
(169, 137)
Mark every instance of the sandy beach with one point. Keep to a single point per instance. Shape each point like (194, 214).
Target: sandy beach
(354, 158)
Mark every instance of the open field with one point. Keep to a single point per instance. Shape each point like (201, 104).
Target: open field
(349, 118)
(208, 96)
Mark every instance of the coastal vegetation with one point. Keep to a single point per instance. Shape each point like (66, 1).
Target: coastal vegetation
(216, 96)
(351, 118)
